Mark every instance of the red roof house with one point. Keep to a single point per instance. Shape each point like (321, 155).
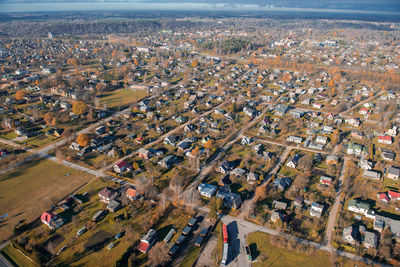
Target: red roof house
(131, 193)
(122, 166)
(383, 197)
(385, 139)
(107, 194)
(147, 241)
(394, 195)
(51, 220)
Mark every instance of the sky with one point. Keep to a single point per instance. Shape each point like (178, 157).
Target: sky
(373, 6)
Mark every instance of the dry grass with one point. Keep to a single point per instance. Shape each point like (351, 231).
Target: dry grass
(28, 191)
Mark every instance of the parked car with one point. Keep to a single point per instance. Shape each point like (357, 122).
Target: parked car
(81, 231)
(248, 253)
(119, 235)
(174, 249)
(205, 231)
(199, 241)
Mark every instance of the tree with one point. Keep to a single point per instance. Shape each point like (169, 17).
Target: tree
(158, 255)
(79, 107)
(260, 193)
(306, 162)
(48, 118)
(83, 139)
(20, 94)
(195, 63)
(208, 145)
(335, 136)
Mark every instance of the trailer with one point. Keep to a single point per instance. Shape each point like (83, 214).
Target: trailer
(225, 255)
(169, 235)
(225, 233)
(225, 251)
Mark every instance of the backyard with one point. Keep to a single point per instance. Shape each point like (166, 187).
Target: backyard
(48, 183)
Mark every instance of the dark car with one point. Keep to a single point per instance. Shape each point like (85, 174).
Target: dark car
(174, 249)
(248, 253)
(199, 241)
(205, 231)
(187, 230)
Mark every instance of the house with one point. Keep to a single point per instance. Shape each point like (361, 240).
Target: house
(292, 162)
(246, 140)
(75, 146)
(107, 194)
(225, 167)
(370, 239)
(332, 159)
(360, 207)
(371, 174)
(131, 193)
(252, 177)
(366, 164)
(325, 180)
(294, 139)
(385, 139)
(317, 105)
(147, 241)
(144, 153)
(316, 209)
(170, 140)
(383, 197)
(321, 140)
(394, 195)
(298, 201)
(356, 149)
(279, 205)
(357, 135)
(51, 220)
(122, 167)
(393, 173)
(239, 172)
(168, 161)
(380, 222)
(388, 154)
(282, 183)
(350, 235)
(231, 200)
(113, 206)
(181, 119)
(206, 190)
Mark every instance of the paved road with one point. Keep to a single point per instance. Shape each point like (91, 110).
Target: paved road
(4, 262)
(334, 211)
(245, 227)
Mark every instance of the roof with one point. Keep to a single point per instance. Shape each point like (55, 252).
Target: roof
(107, 192)
(143, 246)
(383, 196)
(131, 192)
(394, 171)
(394, 195)
(385, 137)
(47, 216)
(121, 164)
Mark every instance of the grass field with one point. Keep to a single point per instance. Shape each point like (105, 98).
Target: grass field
(26, 192)
(122, 97)
(265, 254)
(16, 257)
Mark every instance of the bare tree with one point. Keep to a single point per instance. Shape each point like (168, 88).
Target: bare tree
(158, 255)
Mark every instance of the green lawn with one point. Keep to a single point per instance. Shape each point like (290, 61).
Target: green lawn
(122, 97)
(28, 191)
(8, 135)
(190, 257)
(265, 254)
(16, 257)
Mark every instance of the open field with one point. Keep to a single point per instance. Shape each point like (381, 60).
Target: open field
(16, 257)
(266, 254)
(122, 97)
(26, 193)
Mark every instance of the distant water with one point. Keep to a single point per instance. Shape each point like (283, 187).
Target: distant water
(114, 6)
